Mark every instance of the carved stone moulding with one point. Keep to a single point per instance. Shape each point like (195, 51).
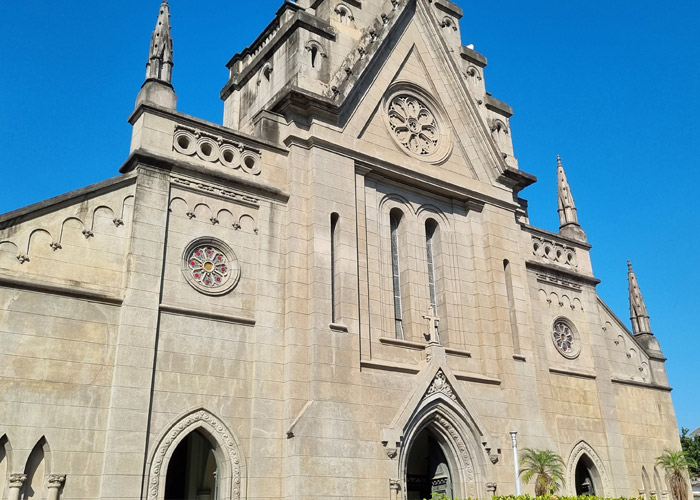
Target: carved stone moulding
(553, 251)
(210, 266)
(214, 149)
(417, 123)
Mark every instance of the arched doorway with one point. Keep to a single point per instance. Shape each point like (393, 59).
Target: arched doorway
(587, 478)
(428, 470)
(192, 470)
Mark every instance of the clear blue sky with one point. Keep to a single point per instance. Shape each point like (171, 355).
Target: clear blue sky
(612, 86)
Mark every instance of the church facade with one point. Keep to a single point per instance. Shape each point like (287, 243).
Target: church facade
(335, 294)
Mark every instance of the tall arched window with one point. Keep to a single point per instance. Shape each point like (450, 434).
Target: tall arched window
(511, 307)
(394, 222)
(335, 282)
(431, 235)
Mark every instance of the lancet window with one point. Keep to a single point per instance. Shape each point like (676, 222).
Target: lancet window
(395, 222)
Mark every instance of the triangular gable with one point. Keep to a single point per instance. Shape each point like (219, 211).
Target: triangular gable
(433, 385)
(416, 52)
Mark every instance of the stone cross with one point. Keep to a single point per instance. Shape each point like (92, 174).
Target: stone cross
(433, 320)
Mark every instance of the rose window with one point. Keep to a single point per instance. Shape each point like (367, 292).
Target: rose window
(565, 340)
(414, 125)
(210, 266)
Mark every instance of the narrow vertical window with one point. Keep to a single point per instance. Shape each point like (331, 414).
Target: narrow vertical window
(430, 229)
(394, 221)
(334, 267)
(511, 308)
(314, 53)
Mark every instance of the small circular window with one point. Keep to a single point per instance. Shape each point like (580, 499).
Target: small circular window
(210, 266)
(565, 339)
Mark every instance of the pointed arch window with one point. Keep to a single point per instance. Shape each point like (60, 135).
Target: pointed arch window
(431, 234)
(395, 217)
(511, 307)
(335, 282)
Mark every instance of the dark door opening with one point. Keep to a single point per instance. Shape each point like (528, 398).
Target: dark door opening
(192, 470)
(428, 471)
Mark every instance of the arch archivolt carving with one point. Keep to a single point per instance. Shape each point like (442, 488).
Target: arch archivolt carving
(230, 464)
(583, 448)
(467, 460)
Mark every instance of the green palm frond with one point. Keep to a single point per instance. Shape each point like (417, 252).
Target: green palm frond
(546, 467)
(676, 464)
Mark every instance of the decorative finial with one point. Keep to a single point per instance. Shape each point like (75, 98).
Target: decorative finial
(638, 310)
(158, 88)
(568, 218)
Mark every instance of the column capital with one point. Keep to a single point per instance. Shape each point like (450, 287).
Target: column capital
(17, 480)
(56, 480)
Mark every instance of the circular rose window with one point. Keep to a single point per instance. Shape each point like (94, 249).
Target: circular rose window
(210, 266)
(565, 340)
(415, 123)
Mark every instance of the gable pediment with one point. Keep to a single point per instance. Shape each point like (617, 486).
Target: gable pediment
(417, 60)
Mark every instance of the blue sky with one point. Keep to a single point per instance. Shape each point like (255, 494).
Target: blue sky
(612, 86)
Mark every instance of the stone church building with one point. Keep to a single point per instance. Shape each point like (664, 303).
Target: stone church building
(335, 294)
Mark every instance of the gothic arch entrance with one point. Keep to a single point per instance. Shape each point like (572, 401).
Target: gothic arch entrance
(587, 479)
(192, 470)
(190, 450)
(428, 470)
(585, 472)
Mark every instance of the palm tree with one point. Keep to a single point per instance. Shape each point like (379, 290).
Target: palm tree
(676, 464)
(546, 466)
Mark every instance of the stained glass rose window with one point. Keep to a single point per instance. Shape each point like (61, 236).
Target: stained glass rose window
(210, 266)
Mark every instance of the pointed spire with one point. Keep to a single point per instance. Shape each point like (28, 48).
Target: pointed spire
(568, 219)
(160, 57)
(158, 89)
(638, 310)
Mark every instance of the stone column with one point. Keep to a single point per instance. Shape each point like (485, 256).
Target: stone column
(394, 487)
(16, 483)
(55, 483)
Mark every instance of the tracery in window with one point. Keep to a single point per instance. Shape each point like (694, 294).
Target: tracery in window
(565, 339)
